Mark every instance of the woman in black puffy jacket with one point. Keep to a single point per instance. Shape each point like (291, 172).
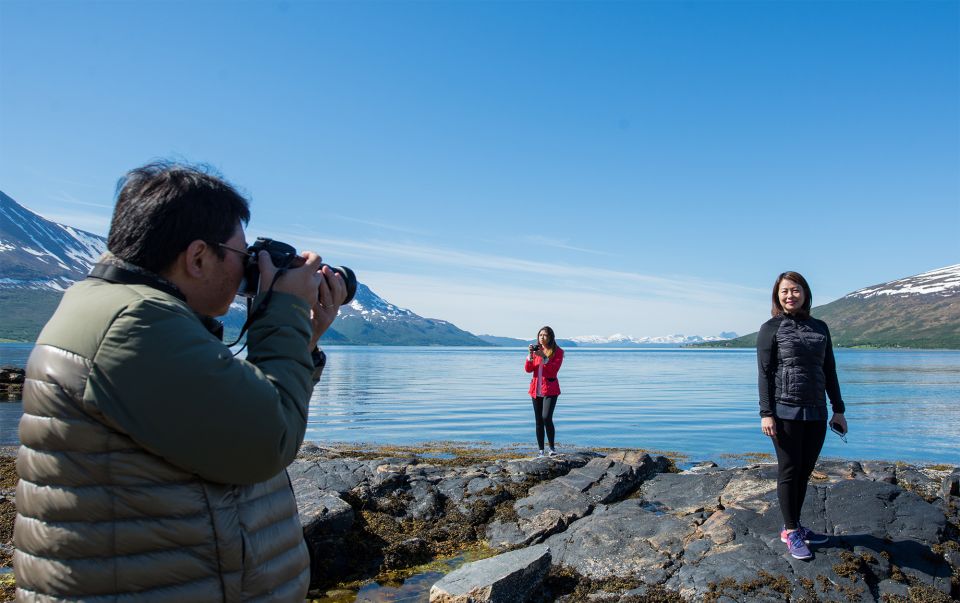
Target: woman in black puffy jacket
(797, 371)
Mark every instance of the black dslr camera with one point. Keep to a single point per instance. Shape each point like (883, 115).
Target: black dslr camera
(284, 256)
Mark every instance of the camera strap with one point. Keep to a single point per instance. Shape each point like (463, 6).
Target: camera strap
(260, 309)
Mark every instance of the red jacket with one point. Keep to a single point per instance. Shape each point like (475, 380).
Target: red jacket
(549, 386)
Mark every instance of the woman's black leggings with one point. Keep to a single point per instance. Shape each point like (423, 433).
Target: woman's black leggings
(543, 410)
(798, 445)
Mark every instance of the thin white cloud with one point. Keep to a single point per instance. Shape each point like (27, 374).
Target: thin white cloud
(587, 279)
(65, 197)
(542, 241)
(381, 225)
(492, 307)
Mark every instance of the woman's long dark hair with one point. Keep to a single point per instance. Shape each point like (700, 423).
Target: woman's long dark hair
(804, 312)
(552, 343)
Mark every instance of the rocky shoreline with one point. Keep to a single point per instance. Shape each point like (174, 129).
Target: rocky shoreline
(622, 526)
(11, 383)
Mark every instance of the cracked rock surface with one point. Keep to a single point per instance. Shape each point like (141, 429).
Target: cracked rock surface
(624, 522)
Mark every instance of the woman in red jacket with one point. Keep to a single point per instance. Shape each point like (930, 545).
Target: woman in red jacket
(544, 360)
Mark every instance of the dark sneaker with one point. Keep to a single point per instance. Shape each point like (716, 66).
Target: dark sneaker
(797, 547)
(808, 535)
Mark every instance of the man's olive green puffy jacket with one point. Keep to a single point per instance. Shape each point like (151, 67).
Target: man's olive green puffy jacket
(152, 465)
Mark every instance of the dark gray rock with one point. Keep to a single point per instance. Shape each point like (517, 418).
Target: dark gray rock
(412, 551)
(335, 475)
(425, 502)
(950, 486)
(918, 482)
(682, 494)
(713, 532)
(323, 513)
(875, 526)
(623, 539)
(507, 578)
(880, 471)
(552, 506)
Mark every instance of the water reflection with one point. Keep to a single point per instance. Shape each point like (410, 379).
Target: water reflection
(902, 405)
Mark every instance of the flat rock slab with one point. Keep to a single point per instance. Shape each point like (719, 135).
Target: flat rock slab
(553, 505)
(621, 540)
(879, 534)
(508, 578)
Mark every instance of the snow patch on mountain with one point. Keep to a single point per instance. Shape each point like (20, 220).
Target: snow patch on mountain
(37, 253)
(368, 305)
(944, 282)
(621, 339)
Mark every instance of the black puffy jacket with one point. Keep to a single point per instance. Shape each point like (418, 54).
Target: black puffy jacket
(797, 370)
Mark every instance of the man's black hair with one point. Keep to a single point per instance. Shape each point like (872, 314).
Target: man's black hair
(162, 207)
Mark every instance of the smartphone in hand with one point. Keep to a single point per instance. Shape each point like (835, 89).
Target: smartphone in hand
(838, 429)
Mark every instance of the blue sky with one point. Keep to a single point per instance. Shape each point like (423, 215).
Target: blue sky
(636, 167)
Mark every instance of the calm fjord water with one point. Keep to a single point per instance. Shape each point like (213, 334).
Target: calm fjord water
(902, 404)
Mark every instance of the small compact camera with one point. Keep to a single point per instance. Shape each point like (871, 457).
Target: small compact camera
(536, 347)
(284, 256)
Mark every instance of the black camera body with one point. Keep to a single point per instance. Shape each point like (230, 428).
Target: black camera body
(284, 256)
(536, 347)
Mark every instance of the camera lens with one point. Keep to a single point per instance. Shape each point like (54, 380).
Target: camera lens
(349, 279)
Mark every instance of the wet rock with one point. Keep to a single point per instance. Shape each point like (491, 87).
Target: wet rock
(703, 467)
(11, 382)
(412, 551)
(507, 578)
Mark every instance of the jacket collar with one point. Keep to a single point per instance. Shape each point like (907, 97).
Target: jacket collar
(112, 269)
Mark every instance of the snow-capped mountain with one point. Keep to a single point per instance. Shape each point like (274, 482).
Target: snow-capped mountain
(619, 339)
(36, 253)
(40, 258)
(942, 282)
(921, 311)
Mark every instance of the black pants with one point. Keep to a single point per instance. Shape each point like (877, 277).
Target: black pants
(543, 411)
(798, 445)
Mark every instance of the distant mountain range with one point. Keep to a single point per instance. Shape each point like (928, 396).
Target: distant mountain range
(39, 259)
(614, 341)
(921, 311)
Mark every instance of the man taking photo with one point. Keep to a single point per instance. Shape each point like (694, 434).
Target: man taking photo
(152, 462)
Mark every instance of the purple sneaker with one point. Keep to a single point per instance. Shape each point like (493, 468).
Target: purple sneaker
(797, 547)
(811, 537)
(808, 535)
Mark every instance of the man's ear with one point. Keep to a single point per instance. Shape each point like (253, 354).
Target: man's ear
(194, 257)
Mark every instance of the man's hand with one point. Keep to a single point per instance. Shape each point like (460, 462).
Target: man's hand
(333, 291)
(302, 281)
(323, 289)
